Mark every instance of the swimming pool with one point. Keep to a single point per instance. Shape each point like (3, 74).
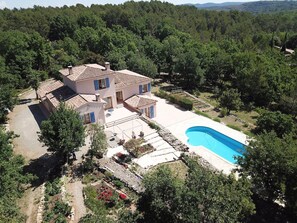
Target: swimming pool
(218, 143)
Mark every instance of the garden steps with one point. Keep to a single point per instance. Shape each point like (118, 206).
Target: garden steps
(151, 136)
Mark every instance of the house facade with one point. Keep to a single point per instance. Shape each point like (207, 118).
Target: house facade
(91, 89)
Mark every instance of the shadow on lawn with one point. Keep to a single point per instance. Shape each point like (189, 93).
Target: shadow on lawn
(45, 168)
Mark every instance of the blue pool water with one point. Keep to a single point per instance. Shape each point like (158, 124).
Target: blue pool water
(218, 143)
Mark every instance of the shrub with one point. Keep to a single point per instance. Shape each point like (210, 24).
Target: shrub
(162, 94)
(154, 126)
(175, 99)
(234, 127)
(62, 208)
(202, 114)
(119, 184)
(223, 112)
(88, 178)
(217, 120)
(53, 188)
(185, 103)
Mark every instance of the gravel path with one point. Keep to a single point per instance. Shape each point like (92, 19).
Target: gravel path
(74, 189)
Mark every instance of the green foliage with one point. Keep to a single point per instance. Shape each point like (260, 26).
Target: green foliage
(203, 197)
(62, 208)
(92, 202)
(217, 119)
(12, 179)
(7, 99)
(98, 141)
(53, 188)
(280, 123)
(230, 99)
(154, 126)
(288, 104)
(89, 218)
(176, 99)
(271, 163)
(202, 114)
(63, 133)
(223, 112)
(119, 184)
(234, 127)
(88, 178)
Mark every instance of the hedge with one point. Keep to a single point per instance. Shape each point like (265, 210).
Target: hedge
(179, 100)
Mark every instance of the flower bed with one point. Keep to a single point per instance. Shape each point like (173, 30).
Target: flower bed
(135, 147)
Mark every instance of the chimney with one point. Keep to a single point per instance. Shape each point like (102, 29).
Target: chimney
(70, 70)
(107, 66)
(97, 97)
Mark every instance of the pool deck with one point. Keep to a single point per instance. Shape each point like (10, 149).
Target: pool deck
(177, 121)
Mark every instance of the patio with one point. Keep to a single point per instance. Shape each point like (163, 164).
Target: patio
(112, 115)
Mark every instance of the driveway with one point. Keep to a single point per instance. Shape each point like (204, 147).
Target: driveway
(25, 121)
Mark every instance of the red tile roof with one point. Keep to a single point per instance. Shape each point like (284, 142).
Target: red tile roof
(85, 71)
(138, 101)
(56, 91)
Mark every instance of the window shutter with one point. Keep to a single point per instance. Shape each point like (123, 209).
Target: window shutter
(92, 114)
(107, 82)
(140, 89)
(152, 112)
(96, 85)
(149, 87)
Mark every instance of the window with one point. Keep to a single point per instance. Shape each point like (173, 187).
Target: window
(101, 84)
(87, 118)
(144, 88)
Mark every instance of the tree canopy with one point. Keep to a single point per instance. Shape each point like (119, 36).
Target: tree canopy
(204, 196)
(63, 132)
(12, 179)
(271, 163)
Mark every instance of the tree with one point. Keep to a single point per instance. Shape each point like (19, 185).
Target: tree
(160, 200)
(214, 197)
(63, 133)
(288, 104)
(191, 73)
(280, 123)
(34, 80)
(230, 99)
(12, 179)
(60, 27)
(204, 196)
(271, 162)
(7, 101)
(98, 141)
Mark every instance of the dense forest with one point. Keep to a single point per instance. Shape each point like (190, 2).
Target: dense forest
(200, 50)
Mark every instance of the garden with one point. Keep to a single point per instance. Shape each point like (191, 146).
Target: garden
(55, 209)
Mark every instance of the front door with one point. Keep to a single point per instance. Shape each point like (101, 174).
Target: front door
(119, 96)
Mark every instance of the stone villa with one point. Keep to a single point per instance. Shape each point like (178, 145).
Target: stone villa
(91, 89)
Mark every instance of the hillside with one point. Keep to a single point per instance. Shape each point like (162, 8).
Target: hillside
(253, 7)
